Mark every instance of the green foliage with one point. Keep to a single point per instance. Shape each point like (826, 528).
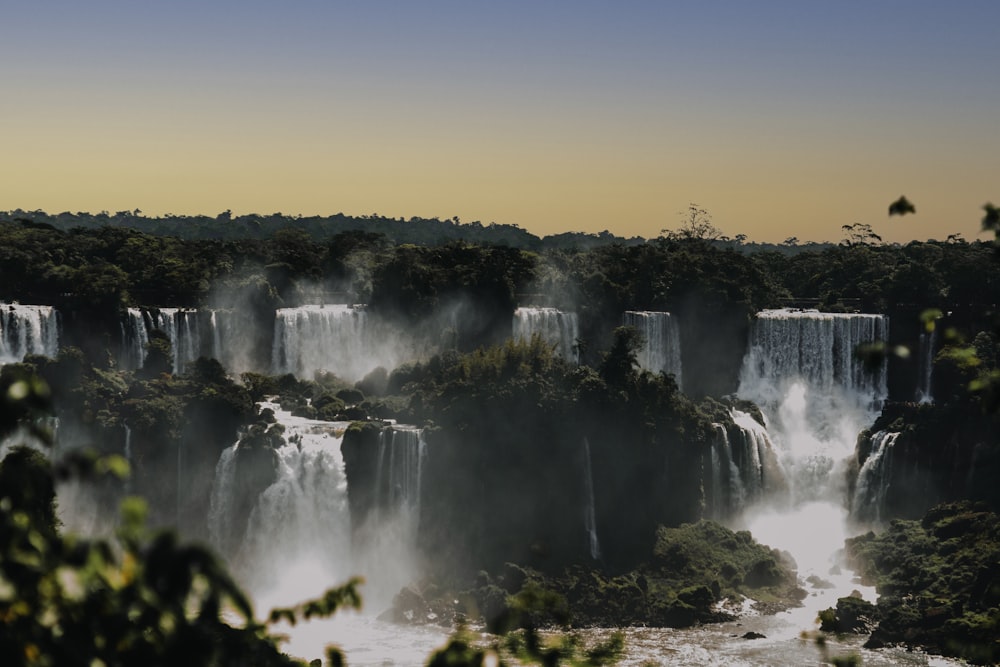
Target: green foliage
(938, 581)
(142, 600)
(708, 552)
(851, 615)
(26, 486)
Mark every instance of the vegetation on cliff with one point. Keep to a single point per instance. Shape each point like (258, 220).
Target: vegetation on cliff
(938, 581)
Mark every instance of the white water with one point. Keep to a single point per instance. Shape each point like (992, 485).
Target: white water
(233, 334)
(868, 503)
(298, 540)
(661, 349)
(553, 326)
(745, 467)
(816, 398)
(341, 339)
(590, 511)
(402, 452)
(27, 330)
(179, 324)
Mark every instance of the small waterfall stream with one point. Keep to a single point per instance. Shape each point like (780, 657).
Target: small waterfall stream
(590, 511)
(925, 367)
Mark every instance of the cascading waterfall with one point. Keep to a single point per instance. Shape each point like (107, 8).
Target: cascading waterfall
(661, 349)
(816, 397)
(553, 326)
(27, 330)
(179, 324)
(925, 368)
(745, 466)
(298, 537)
(868, 503)
(341, 339)
(590, 511)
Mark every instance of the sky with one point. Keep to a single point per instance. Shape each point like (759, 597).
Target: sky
(779, 118)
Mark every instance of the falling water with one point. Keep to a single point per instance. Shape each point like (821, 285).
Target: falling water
(179, 324)
(297, 540)
(661, 349)
(816, 397)
(27, 330)
(402, 452)
(745, 466)
(868, 503)
(297, 536)
(553, 326)
(590, 512)
(925, 368)
(231, 332)
(341, 339)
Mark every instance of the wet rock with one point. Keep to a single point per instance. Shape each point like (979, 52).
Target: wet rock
(818, 582)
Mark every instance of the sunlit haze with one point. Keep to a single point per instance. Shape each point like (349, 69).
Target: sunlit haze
(780, 118)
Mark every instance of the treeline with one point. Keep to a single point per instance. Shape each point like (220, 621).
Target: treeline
(90, 274)
(416, 230)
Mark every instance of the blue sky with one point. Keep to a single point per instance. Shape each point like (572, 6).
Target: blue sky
(781, 118)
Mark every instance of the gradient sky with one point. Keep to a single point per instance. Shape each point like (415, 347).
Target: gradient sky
(781, 118)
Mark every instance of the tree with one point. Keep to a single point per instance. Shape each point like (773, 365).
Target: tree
(860, 234)
(696, 224)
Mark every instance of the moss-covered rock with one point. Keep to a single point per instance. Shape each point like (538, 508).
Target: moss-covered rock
(851, 615)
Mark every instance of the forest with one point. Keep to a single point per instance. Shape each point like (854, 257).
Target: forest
(509, 425)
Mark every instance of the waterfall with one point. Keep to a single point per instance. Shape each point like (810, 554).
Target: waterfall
(745, 466)
(661, 349)
(298, 531)
(221, 507)
(816, 397)
(814, 348)
(590, 511)
(341, 339)
(134, 339)
(925, 367)
(297, 538)
(232, 336)
(402, 453)
(719, 457)
(553, 326)
(179, 324)
(868, 503)
(27, 330)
